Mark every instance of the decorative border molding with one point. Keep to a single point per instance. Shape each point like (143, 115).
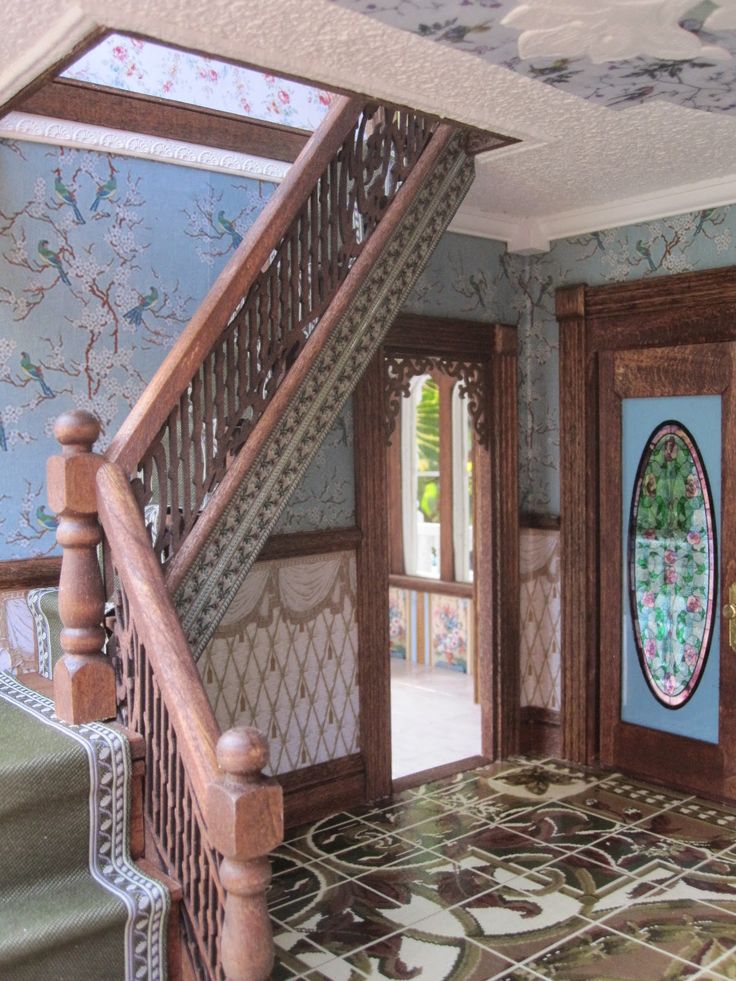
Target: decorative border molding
(233, 546)
(533, 235)
(400, 369)
(145, 899)
(61, 132)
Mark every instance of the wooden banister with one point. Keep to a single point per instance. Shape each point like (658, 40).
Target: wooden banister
(245, 816)
(264, 312)
(172, 378)
(158, 627)
(84, 681)
(206, 795)
(218, 501)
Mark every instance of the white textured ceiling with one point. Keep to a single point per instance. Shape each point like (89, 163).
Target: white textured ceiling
(578, 156)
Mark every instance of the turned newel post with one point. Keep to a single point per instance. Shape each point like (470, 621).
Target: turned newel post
(84, 679)
(244, 814)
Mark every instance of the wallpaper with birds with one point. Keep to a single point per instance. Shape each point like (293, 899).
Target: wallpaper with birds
(103, 260)
(479, 280)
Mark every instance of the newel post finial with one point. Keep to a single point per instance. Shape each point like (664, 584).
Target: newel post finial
(245, 822)
(84, 679)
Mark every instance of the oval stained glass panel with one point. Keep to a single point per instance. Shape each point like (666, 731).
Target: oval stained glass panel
(672, 564)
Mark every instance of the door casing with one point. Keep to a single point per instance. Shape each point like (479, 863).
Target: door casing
(493, 347)
(692, 370)
(661, 312)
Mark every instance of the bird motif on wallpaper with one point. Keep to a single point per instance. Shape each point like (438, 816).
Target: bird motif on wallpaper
(35, 373)
(135, 314)
(46, 519)
(52, 258)
(3, 437)
(105, 192)
(67, 196)
(231, 230)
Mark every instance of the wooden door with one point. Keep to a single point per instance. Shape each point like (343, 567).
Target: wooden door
(668, 556)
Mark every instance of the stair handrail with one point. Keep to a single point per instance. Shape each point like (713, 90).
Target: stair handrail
(212, 814)
(194, 343)
(228, 365)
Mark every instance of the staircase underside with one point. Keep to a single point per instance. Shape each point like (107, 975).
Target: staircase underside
(219, 569)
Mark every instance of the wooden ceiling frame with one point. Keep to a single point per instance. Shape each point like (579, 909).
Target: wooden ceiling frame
(99, 105)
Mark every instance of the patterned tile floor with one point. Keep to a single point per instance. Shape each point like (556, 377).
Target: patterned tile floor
(519, 870)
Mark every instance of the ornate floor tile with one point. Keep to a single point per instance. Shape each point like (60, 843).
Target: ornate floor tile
(607, 956)
(292, 880)
(713, 882)
(641, 854)
(724, 968)
(610, 800)
(642, 793)
(406, 813)
(294, 952)
(342, 919)
(691, 931)
(500, 846)
(426, 822)
(701, 823)
(417, 954)
(422, 892)
(543, 782)
(381, 852)
(336, 970)
(323, 838)
(516, 871)
(558, 824)
(507, 921)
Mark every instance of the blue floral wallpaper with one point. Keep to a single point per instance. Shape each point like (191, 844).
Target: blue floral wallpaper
(478, 280)
(103, 260)
(325, 497)
(688, 48)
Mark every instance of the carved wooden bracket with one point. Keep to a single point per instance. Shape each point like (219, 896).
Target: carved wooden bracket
(473, 376)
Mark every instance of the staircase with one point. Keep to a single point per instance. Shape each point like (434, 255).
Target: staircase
(210, 455)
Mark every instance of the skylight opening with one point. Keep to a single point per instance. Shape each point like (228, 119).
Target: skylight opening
(146, 68)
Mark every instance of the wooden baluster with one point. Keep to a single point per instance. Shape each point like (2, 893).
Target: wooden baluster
(84, 679)
(245, 822)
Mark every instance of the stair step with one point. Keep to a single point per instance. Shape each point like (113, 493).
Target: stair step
(67, 928)
(71, 906)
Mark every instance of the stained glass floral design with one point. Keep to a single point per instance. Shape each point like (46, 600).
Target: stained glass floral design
(672, 564)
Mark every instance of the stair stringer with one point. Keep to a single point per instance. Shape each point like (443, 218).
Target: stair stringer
(218, 571)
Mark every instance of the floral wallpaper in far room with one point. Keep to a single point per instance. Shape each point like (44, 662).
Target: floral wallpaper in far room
(151, 69)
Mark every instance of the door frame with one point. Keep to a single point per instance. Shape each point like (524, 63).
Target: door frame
(666, 311)
(490, 351)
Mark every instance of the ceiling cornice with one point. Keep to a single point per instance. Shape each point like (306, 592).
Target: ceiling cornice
(534, 233)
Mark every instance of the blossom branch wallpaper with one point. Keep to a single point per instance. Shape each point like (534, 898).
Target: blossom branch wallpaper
(103, 260)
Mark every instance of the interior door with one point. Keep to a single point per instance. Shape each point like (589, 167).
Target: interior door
(668, 557)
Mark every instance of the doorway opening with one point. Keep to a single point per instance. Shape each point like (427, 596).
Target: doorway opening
(471, 552)
(435, 706)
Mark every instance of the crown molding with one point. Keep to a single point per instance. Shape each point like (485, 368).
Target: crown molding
(60, 132)
(534, 234)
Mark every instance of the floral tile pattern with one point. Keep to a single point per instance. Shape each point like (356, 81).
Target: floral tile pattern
(518, 870)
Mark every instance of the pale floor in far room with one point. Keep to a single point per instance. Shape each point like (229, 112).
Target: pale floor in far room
(433, 718)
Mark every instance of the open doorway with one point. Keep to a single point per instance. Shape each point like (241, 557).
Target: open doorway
(451, 550)
(435, 707)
